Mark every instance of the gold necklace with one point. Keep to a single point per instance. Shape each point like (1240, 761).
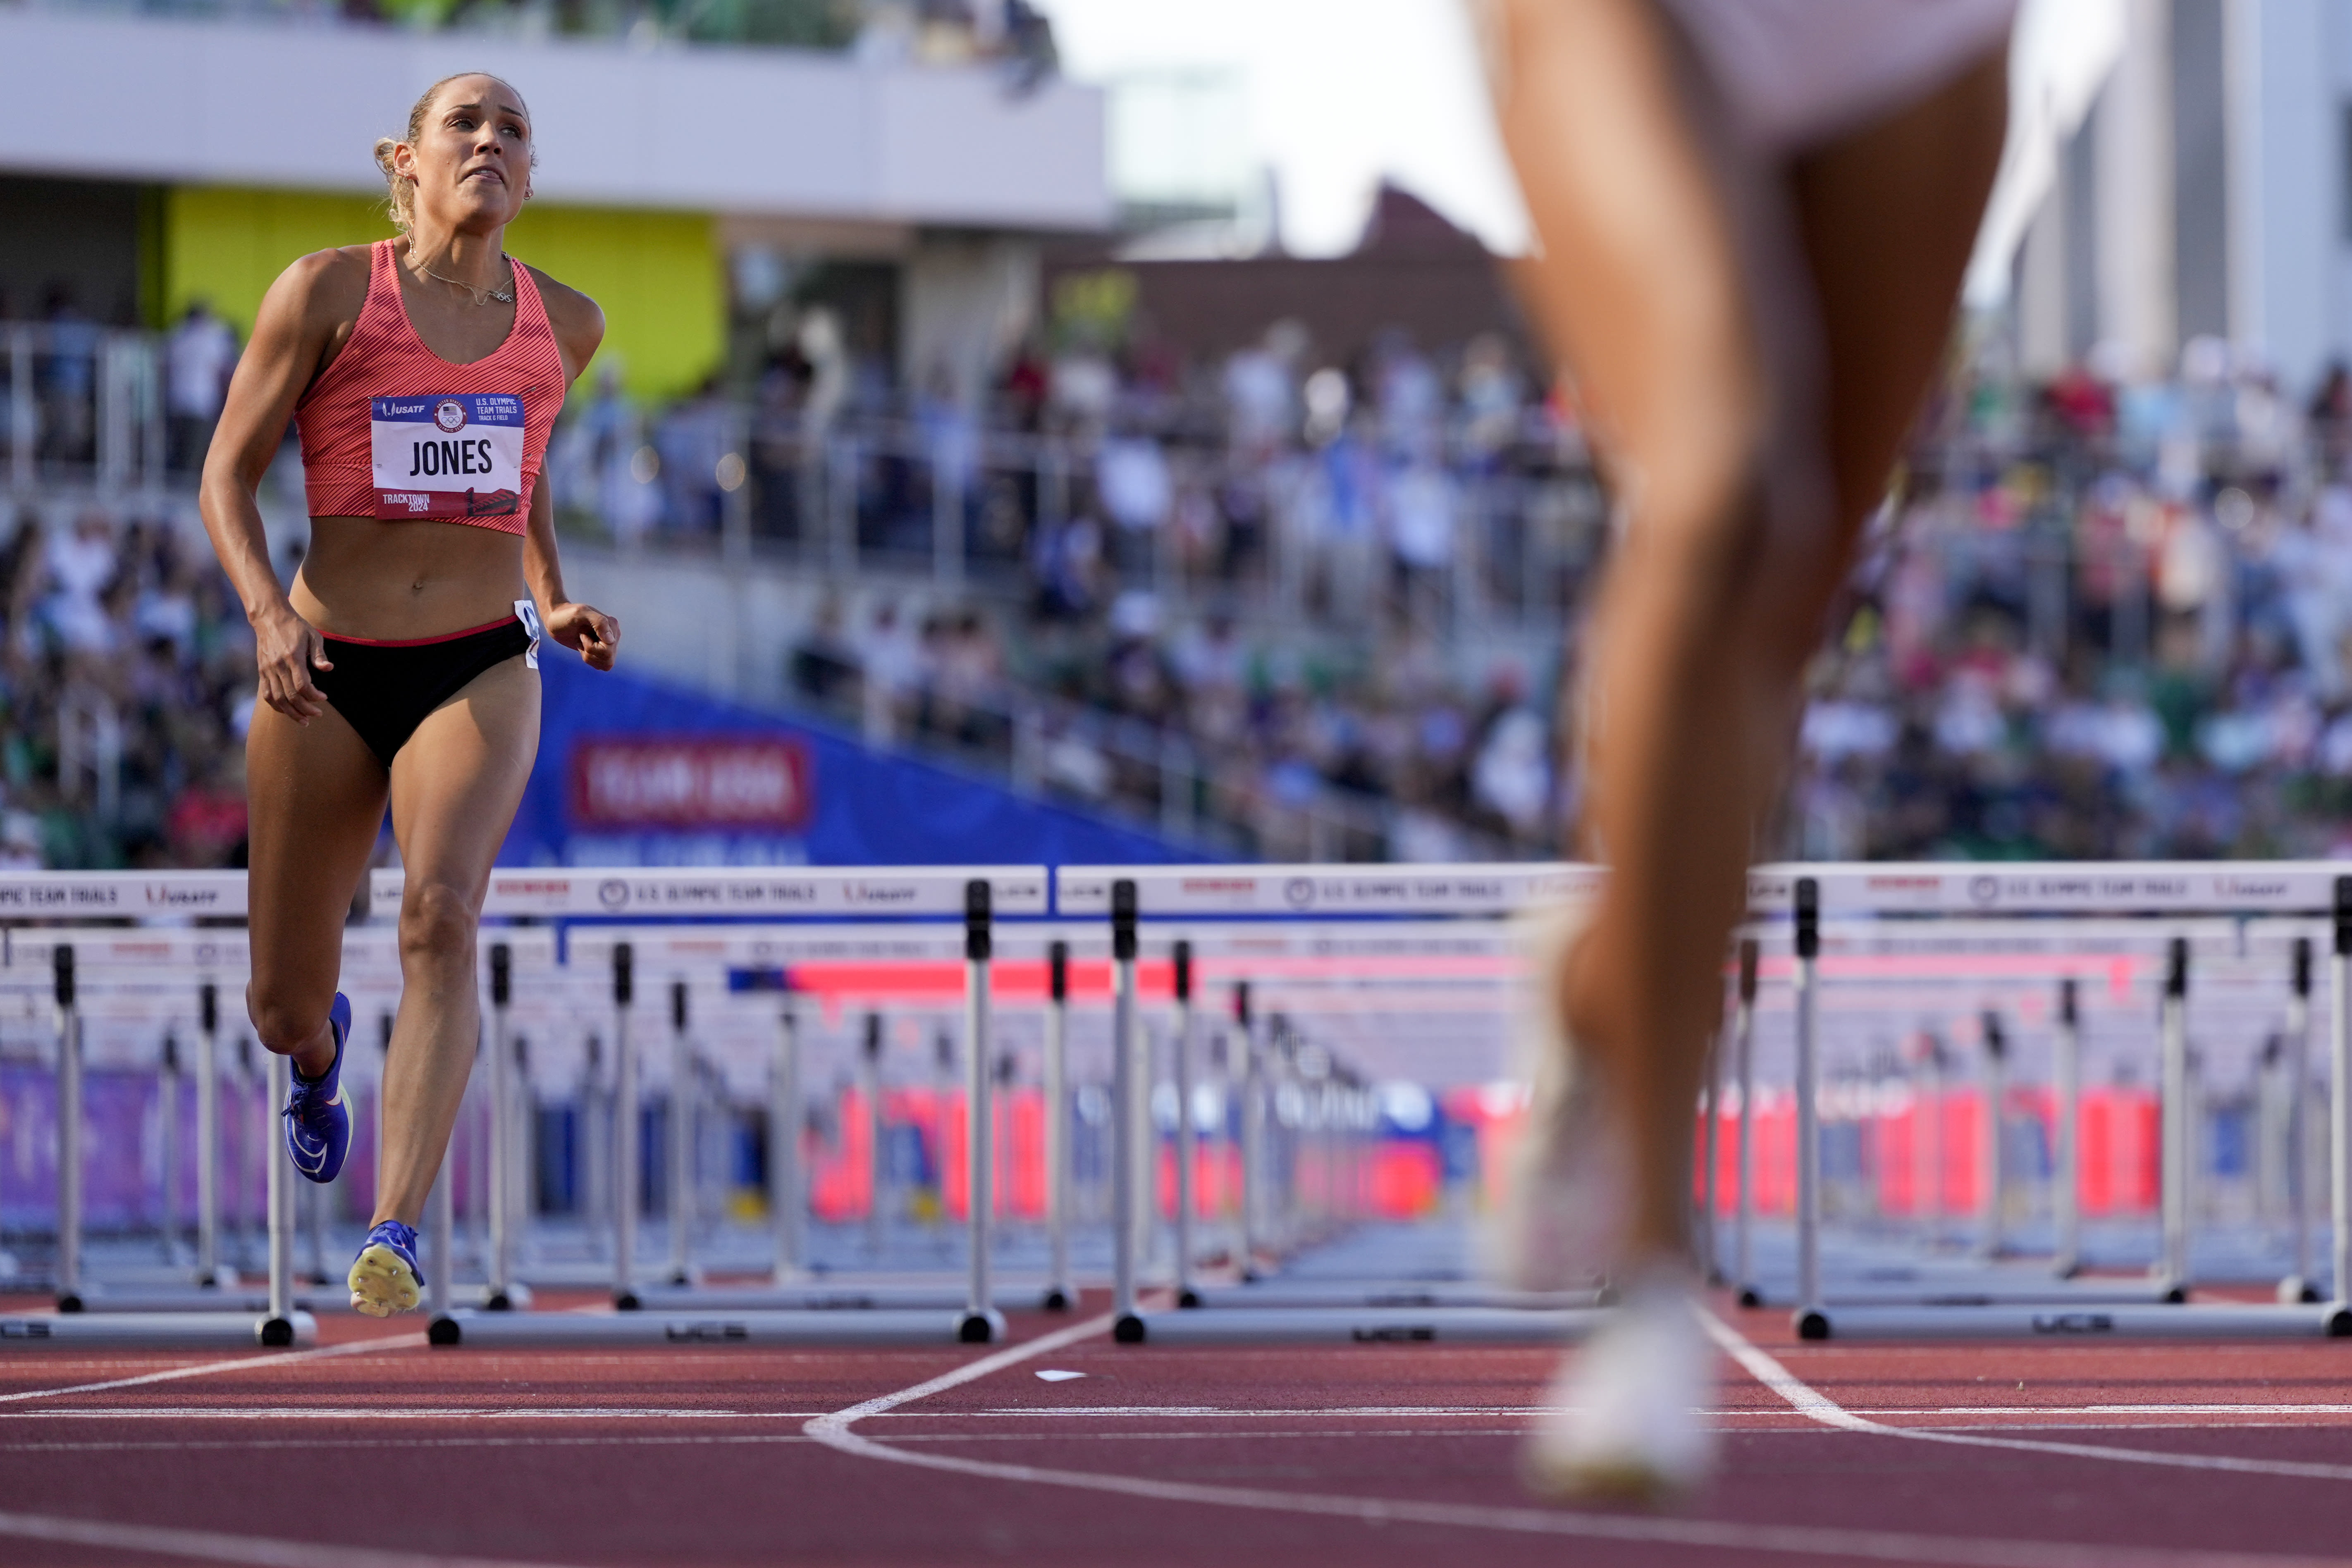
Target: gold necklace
(481, 296)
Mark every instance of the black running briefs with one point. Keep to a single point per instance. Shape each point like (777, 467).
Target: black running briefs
(384, 690)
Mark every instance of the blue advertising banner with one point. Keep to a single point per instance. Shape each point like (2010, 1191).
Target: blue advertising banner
(632, 772)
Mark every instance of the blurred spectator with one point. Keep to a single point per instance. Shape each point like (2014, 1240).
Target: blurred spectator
(198, 357)
(126, 686)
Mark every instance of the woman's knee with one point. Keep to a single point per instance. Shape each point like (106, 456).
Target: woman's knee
(436, 927)
(1741, 530)
(286, 1018)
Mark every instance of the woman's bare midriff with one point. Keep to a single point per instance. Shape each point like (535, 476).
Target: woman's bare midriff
(366, 577)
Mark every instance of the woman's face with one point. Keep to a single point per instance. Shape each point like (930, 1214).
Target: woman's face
(471, 158)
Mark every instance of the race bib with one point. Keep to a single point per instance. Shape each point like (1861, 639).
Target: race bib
(452, 457)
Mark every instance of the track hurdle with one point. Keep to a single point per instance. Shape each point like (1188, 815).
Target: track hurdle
(1061, 1294)
(689, 1316)
(1996, 964)
(1799, 895)
(1130, 895)
(113, 895)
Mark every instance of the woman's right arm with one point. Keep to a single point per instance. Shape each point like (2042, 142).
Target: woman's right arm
(303, 319)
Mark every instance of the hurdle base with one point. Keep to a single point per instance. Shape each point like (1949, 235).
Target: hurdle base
(806, 1298)
(2027, 1292)
(2213, 1320)
(161, 1331)
(1349, 1294)
(655, 1328)
(1358, 1326)
(1056, 1300)
(246, 1300)
(983, 1328)
(2295, 1290)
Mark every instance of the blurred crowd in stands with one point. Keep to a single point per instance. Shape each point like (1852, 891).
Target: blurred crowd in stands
(126, 686)
(1291, 607)
(2105, 616)
(2109, 620)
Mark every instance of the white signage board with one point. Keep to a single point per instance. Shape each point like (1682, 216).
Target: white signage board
(1162, 891)
(773, 891)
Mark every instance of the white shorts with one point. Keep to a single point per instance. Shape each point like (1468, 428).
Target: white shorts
(1792, 74)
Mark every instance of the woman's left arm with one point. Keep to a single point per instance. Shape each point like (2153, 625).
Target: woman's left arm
(594, 635)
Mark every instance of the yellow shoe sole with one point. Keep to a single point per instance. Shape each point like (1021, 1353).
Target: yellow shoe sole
(382, 1284)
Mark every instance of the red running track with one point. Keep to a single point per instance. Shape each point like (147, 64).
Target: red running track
(374, 1451)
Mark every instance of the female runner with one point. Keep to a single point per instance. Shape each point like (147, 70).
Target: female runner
(424, 372)
(1754, 215)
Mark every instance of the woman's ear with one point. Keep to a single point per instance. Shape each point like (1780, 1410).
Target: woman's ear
(404, 162)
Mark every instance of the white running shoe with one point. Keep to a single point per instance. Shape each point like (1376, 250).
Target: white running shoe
(1568, 1183)
(1622, 1418)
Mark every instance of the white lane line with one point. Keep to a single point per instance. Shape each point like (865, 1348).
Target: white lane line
(747, 1439)
(258, 1358)
(1205, 1412)
(375, 1412)
(1883, 1546)
(217, 1546)
(1810, 1401)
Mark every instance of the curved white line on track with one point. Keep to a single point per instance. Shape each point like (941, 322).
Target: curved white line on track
(218, 1546)
(1880, 1546)
(1813, 1404)
(259, 1359)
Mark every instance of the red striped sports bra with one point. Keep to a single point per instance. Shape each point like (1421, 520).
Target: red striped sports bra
(393, 431)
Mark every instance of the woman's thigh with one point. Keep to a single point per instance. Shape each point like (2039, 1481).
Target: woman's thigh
(314, 801)
(1888, 216)
(456, 783)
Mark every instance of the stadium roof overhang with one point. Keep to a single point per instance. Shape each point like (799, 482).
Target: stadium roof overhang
(736, 131)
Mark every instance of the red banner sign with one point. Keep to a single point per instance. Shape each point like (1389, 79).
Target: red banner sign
(690, 782)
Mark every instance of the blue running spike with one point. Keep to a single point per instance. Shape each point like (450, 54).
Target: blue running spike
(384, 1277)
(318, 1113)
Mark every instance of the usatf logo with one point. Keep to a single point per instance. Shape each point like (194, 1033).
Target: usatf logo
(613, 893)
(162, 895)
(1299, 891)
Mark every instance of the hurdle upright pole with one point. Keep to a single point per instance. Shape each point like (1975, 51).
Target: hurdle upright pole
(441, 1237)
(278, 1184)
(1743, 1260)
(981, 1323)
(2299, 1287)
(1060, 1295)
(627, 1130)
(1710, 1107)
(2066, 1201)
(314, 1231)
(167, 1097)
(1125, 1134)
(681, 1139)
(2339, 1098)
(2173, 1114)
(1183, 1048)
(208, 1134)
(70, 1150)
(874, 1169)
(1993, 1064)
(496, 1297)
(1252, 1078)
(787, 1205)
(1811, 1322)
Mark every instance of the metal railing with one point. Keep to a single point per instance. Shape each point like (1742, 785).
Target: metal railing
(1136, 771)
(974, 508)
(84, 409)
